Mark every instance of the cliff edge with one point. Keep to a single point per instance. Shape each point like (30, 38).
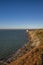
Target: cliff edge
(31, 53)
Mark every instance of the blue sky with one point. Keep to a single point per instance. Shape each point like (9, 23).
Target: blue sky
(21, 14)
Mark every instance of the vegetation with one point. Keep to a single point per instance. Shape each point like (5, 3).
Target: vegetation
(31, 53)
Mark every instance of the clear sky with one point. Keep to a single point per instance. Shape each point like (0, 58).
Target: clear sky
(21, 14)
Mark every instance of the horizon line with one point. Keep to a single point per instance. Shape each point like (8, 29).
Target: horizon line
(18, 28)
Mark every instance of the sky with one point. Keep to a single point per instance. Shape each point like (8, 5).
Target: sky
(21, 14)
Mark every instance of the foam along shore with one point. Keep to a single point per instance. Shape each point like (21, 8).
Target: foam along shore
(36, 50)
(35, 41)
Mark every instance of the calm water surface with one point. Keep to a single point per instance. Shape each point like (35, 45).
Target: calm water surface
(11, 40)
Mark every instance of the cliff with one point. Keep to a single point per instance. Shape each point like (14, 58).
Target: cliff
(31, 53)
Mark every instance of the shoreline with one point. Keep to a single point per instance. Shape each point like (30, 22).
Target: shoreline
(4, 60)
(33, 42)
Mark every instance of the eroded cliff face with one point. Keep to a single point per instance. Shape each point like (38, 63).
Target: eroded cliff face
(34, 57)
(31, 53)
(36, 37)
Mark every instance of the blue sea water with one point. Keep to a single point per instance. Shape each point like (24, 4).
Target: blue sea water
(11, 40)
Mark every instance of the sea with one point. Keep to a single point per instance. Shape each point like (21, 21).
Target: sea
(11, 41)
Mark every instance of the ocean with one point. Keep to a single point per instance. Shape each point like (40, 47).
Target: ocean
(11, 41)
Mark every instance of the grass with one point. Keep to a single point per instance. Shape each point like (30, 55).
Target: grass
(29, 55)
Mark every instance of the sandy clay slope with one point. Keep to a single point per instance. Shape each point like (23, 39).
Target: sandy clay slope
(32, 52)
(34, 57)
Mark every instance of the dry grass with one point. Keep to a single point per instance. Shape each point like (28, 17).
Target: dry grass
(34, 57)
(32, 52)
